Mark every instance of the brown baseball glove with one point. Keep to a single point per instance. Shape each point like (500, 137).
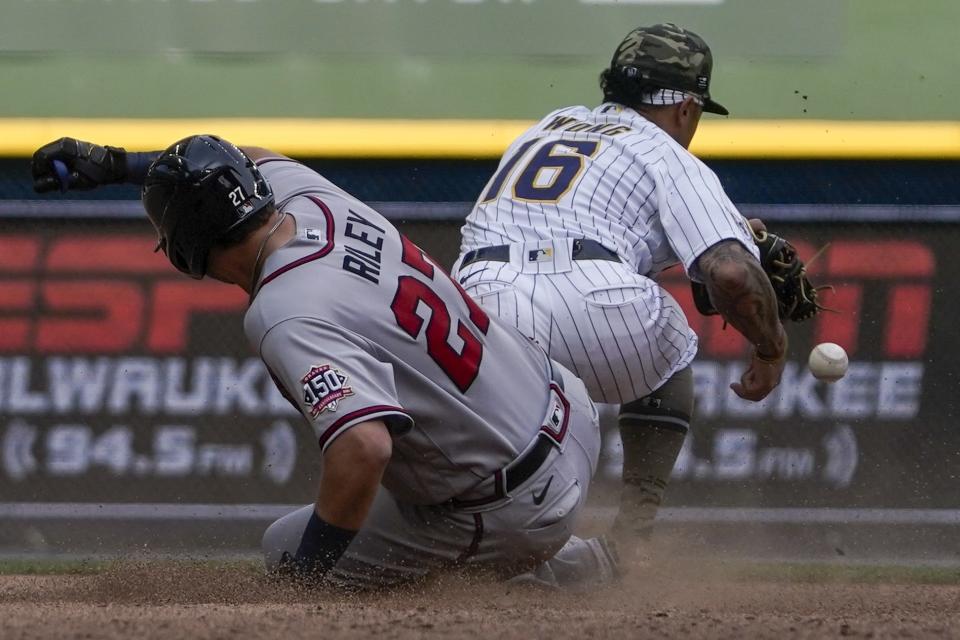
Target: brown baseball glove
(796, 296)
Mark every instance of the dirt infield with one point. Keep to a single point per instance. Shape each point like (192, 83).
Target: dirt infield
(175, 600)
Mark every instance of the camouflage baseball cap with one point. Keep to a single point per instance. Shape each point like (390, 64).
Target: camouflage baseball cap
(669, 57)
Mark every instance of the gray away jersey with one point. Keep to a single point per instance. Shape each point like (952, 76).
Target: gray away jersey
(355, 323)
(611, 175)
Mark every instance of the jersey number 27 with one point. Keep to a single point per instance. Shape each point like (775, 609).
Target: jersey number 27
(461, 367)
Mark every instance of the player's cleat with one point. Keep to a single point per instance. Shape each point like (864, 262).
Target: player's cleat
(579, 565)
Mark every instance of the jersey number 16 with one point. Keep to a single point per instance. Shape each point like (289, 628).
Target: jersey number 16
(548, 175)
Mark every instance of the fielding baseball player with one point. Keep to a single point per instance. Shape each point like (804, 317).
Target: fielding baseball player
(584, 210)
(448, 438)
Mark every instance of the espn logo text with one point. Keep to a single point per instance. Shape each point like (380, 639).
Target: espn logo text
(97, 294)
(104, 371)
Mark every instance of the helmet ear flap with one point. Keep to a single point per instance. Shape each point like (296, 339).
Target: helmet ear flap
(194, 265)
(181, 262)
(180, 255)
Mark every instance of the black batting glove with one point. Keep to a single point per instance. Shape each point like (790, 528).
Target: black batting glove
(69, 163)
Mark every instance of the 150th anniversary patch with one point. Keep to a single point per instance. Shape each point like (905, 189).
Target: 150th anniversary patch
(323, 388)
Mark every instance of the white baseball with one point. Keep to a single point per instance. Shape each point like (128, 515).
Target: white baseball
(828, 362)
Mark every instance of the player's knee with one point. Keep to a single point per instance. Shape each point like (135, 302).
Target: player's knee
(669, 407)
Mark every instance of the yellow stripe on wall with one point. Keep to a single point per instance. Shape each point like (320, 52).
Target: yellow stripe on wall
(826, 139)
(355, 138)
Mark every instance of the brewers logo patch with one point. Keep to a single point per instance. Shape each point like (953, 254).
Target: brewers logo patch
(323, 388)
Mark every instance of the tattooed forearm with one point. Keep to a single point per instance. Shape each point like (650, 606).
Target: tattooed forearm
(741, 292)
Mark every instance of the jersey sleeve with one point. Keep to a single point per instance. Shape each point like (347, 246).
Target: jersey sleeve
(696, 214)
(331, 378)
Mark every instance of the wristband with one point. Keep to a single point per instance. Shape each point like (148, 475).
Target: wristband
(321, 546)
(137, 166)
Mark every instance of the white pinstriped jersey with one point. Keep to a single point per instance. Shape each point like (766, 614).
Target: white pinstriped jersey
(355, 323)
(611, 175)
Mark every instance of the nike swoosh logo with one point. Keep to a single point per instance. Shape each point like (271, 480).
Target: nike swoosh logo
(470, 275)
(538, 499)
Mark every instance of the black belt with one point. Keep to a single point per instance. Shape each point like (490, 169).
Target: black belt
(551, 435)
(583, 249)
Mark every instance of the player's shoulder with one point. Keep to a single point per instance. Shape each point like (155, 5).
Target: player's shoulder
(679, 160)
(288, 286)
(670, 158)
(278, 309)
(279, 165)
(298, 329)
(265, 312)
(289, 178)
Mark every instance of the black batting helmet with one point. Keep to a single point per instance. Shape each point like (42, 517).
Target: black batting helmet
(196, 192)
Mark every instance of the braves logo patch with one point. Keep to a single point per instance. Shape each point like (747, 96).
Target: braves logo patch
(323, 388)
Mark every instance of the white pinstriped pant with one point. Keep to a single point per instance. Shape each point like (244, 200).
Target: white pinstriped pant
(619, 331)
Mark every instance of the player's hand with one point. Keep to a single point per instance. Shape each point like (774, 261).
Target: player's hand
(761, 377)
(69, 163)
